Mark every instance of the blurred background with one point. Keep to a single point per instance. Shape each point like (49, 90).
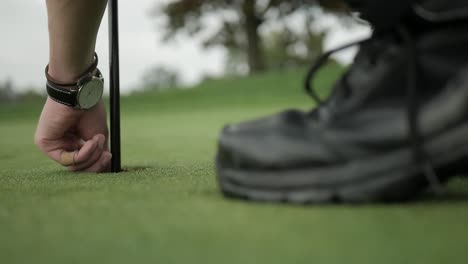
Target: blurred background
(188, 67)
(179, 43)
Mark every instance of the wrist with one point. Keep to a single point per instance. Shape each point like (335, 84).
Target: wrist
(83, 92)
(62, 109)
(62, 76)
(68, 70)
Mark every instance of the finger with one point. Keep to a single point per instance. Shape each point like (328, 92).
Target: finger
(88, 149)
(67, 158)
(72, 158)
(81, 143)
(102, 165)
(88, 163)
(60, 150)
(95, 155)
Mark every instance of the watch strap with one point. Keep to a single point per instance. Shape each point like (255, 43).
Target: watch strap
(64, 96)
(67, 93)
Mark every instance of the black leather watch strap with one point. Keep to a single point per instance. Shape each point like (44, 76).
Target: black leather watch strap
(64, 96)
(66, 93)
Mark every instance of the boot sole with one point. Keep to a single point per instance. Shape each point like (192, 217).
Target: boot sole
(386, 178)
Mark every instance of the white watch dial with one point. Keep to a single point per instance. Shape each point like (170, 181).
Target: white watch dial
(90, 93)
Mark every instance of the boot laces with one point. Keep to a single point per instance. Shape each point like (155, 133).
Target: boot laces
(419, 154)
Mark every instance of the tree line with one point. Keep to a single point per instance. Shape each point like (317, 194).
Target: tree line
(239, 25)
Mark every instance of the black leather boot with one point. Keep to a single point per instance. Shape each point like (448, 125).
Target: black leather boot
(396, 123)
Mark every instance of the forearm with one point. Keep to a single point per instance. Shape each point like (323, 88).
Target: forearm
(75, 139)
(73, 28)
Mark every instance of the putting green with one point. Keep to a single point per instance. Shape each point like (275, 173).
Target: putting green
(167, 208)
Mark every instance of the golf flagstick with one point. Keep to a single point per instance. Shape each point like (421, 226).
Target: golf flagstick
(114, 85)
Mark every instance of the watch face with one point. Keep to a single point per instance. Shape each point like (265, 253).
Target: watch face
(90, 93)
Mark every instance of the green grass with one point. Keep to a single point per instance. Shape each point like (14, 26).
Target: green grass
(167, 208)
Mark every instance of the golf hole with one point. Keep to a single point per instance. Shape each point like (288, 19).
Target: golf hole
(134, 169)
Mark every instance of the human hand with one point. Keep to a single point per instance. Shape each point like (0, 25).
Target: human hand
(77, 139)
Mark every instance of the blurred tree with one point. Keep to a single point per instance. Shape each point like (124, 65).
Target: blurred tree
(7, 93)
(239, 25)
(160, 78)
(286, 48)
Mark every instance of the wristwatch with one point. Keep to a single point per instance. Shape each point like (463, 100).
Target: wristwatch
(83, 94)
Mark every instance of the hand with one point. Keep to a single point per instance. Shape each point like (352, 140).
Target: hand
(77, 139)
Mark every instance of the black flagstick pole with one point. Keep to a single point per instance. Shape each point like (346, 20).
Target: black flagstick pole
(114, 85)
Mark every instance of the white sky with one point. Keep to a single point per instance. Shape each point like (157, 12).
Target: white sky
(24, 45)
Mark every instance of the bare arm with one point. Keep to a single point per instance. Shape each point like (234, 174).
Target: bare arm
(74, 138)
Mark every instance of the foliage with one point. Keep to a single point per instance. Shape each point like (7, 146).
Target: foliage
(160, 78)
(237, 25)
(7, 93)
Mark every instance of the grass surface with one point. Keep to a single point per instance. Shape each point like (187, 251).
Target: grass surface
(167, 208)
